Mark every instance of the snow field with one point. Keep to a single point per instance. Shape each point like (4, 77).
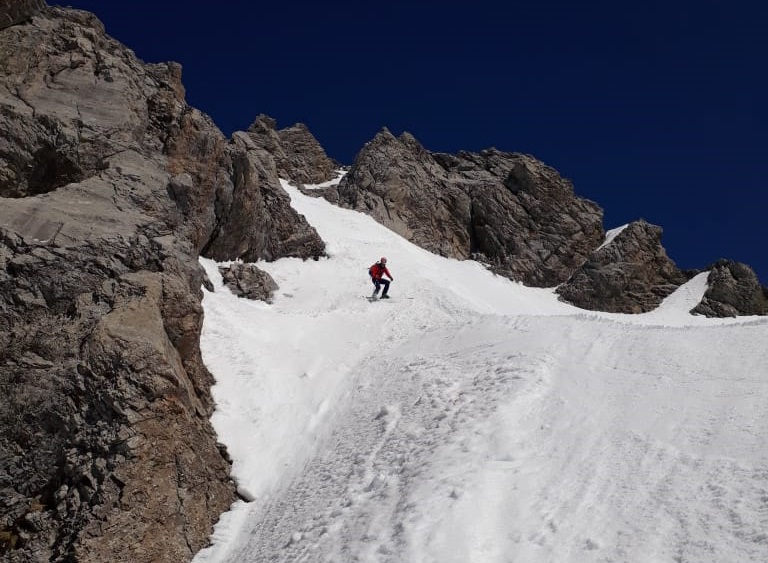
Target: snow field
(471, 419)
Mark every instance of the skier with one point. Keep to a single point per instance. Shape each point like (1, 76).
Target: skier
(377, 271)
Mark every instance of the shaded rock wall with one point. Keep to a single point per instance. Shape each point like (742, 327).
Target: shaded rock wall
(13, 12)
(631, 274)
(506, 209)
(296, 152)
(111, 186)
(256, 220)
(733, 290)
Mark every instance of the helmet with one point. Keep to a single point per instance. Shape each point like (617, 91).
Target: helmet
(383, 260)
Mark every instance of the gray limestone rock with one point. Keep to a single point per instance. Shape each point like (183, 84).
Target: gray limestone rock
(522, 219)
(733, 290)
(111, 187)
(631, 274)
(13, 12)
(247, 280)
(506, 209)
(308, 162)
(297, 154)
(258, 221)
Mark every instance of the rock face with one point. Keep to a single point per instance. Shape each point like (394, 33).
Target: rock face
(733, 290)
(247, 280)
(522, 218)
(298, 155)
(254, 219)
(18, 11)
(111, 187)
(630, 274)
(506, 209)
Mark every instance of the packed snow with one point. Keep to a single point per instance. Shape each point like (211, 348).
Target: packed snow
(472, 419)
(610, 235)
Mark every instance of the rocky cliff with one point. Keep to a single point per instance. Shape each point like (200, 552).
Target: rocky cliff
(508, 210)
(298, 155)
(524, 220)
(18, 11)
(111, 187)
(630, 274)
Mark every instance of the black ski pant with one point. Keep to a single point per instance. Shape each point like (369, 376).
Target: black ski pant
(379, 282)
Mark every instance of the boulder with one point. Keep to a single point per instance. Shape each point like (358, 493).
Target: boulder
(247, 280)
(630, 274)
(733, 290)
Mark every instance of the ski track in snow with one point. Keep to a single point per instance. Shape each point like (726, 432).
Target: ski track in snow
(352, 499)
(475, 420)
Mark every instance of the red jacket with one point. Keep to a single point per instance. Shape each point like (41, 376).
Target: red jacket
(378, 270)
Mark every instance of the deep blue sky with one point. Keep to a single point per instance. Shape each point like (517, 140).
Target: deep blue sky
(655, 110)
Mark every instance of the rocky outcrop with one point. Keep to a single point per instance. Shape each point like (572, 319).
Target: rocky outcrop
(13, 12)
(733, 290)
(256, 221)
(247, 280)
(522, 219)
(508, 210)
(112, 186)
(308, 161)
(630, 274)
(298, 155)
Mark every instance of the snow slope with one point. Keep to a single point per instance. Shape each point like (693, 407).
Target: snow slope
(472, 419)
